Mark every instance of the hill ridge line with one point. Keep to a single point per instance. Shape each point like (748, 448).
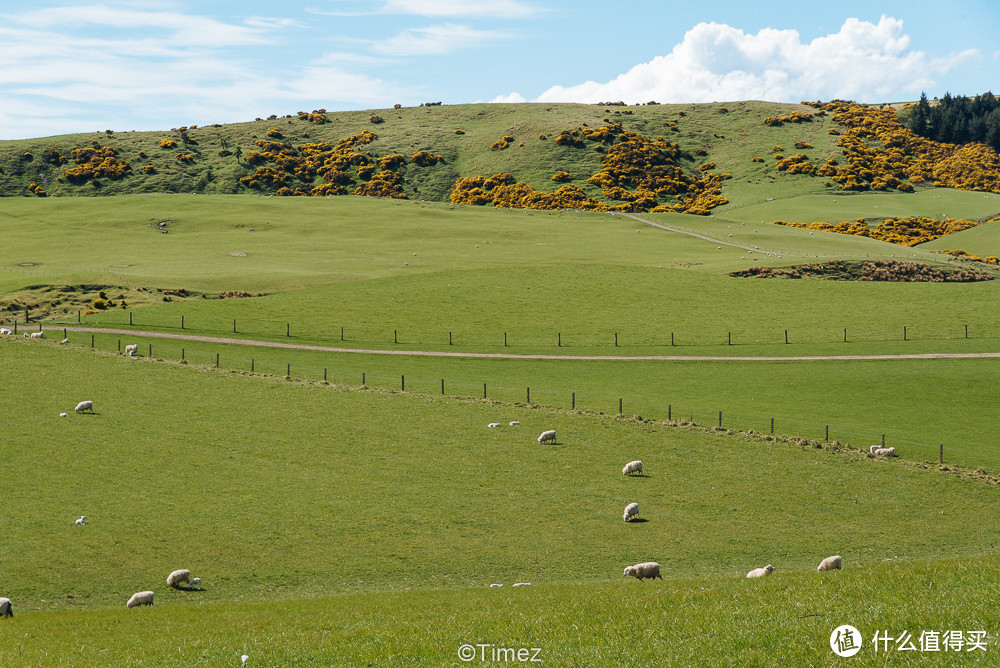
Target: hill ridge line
(515, 356)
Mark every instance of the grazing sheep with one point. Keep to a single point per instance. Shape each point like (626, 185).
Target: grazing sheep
(761, 572)
(496, 585)
(4, 331)
(829, 564)
(647, 569)
(64, 341)
(82, 520)
(493, 424)
(632, 467)
(514, 423)
(131, 349)
(195, 583)
(177, 577)
(63, 414)
(84, 406)
(631, 510)
(521, 584)
(140, 598)
(882, 452)
(35, 335)
(549, 435)
(5, 609)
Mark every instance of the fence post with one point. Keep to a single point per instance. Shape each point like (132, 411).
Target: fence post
(402, 383)
(288, 370)
(65, 333)
(449, 338)
(394, 339)
(786, 336)
(119, 345)
(78, 316)
(442, 386)
(619, 405)
(616, 339)
(130, 317)
(904, 332)
(288, 329)
(182, 354)
(91, 340)
(324, 374)
(484, 390)
(845, 335)
(559, 339)
(730, 336)
(182, 322)
(234, 325)
(827, 433)
(966, 336)
(883, 440)
(505, 339)
(529, 395)
(251, 364)
(573, 406)
(772, 425)
(941, 455)
(363, 379)
(671, 338)
(150, 349)
(670, 410)
(341, 333)
(216, 360)
(720, 419)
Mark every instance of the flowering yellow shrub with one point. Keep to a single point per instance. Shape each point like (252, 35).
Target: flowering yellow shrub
(908, 231)
(561, 177)
(186, 158)
(94, 162)
(167, 142)
(425, 158)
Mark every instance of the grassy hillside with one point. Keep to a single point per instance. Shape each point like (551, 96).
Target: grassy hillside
(728, 139)
(354, 509)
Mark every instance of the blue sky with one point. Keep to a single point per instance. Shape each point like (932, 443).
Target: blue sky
(84, 66)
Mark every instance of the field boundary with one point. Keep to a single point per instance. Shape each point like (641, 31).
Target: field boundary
(515, 356)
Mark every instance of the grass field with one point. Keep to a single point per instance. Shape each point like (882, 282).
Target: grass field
(336, 515)
(341, 524)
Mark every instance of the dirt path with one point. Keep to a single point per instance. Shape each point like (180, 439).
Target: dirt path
(511, 356)
(702, 236)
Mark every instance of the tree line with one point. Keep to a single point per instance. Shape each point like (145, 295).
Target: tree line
(956, 119)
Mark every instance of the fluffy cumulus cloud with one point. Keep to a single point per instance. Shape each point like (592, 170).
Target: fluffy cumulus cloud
(715, 62)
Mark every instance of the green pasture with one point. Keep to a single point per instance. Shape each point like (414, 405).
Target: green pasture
(384, 517)
(786, 619)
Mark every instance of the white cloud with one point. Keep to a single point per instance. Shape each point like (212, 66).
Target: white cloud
(863, 61)
(441, 8)
(512, 97)
(434, 40)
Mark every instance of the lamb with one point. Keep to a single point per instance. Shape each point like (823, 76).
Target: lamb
(514, 423)
(882, 452)
(35, 335)
(631, 510)
(632, 467)
(829, 564)
(140, 598)
(85, 406)
(493, 424)
(131, 349)
(177, 577)
(4, 331)
(549, 435)
(647, 569)
(5, 609)
(195, 583)
(82, 520)
(761, 572)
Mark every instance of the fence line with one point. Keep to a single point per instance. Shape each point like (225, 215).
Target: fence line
(786, 426)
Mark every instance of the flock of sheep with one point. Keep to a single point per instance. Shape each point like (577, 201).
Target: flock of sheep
(175, 579)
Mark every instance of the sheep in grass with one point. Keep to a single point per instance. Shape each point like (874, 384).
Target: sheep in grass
(140, 598)
(131, 349)
(647, 569)
(177, 577)
(4, 331)
(761, 572)
(631, 510)
(830, 564)
(82, 520)
(84, 406)
(632, 467)
(882, 452)
(5, 609)
(549, 435)
(35, 335)
(195, 583)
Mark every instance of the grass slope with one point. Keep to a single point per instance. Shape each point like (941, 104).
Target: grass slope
(395, 503)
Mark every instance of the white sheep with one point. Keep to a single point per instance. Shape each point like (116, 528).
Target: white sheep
(631, 510)
(195, 583)
(521, 584)
(35, 335)
(549, 435)
(131, 349)
(647, 569)
(177, 577)
(82, 520)
(830, 563)
(140, 598)
(4, 331)
(632, 467)
(493, 424)
(84, 406)
(514, 423)
(882, 452)
(5, 609)
(761, 572)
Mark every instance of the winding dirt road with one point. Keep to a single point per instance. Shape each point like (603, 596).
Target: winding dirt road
(512, 356)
